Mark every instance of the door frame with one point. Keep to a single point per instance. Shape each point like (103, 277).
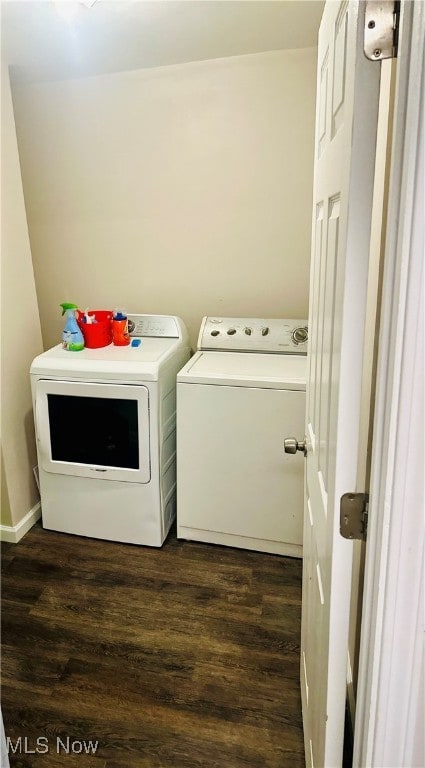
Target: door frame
(389, 716)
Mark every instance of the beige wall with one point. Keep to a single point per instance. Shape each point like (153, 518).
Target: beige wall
(20, 329)
(6, 515)
(183, 189)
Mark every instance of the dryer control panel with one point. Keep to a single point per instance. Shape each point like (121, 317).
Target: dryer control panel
(247, 334)
(166, 326)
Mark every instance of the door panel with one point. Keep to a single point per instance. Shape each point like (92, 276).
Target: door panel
(339, 62)
(347, 103)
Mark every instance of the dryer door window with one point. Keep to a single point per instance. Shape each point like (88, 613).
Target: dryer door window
(98, 430)
(94, 430)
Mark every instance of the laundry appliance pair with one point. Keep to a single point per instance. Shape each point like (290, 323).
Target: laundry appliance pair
(106, 434)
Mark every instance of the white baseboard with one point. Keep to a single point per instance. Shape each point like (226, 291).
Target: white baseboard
(14, 533)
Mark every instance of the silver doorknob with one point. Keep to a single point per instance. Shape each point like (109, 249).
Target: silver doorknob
(291, 445)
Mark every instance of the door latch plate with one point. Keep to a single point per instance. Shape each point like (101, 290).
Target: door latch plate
(354, 509)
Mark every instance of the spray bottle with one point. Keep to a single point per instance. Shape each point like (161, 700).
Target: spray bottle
(72, 338)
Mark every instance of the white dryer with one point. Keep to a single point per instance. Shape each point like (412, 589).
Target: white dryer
(105, 424)
(238, 397)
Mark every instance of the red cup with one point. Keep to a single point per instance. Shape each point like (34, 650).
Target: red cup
(98, 334)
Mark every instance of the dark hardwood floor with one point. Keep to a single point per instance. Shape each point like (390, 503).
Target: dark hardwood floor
(180, 657)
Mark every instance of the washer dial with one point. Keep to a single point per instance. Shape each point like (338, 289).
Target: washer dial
(300, 335)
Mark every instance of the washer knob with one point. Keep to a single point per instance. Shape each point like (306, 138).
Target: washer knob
(231, 331)
(215, 333)
(300, 335)
(248, 331)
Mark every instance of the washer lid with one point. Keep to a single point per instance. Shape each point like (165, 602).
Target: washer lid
(108, 363)
(239, 369)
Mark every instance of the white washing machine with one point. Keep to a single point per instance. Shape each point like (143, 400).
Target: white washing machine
(106, 433)
(238, 397)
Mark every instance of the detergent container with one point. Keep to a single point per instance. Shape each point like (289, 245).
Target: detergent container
(120, 334)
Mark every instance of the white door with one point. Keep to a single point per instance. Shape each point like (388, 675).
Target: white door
(346, 119)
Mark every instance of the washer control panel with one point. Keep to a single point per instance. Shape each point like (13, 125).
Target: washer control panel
(247, 334)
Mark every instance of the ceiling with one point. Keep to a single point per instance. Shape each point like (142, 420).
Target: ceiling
(47, 40)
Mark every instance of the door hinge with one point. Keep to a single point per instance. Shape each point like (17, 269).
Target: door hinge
(354, 509)
(381, 29)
